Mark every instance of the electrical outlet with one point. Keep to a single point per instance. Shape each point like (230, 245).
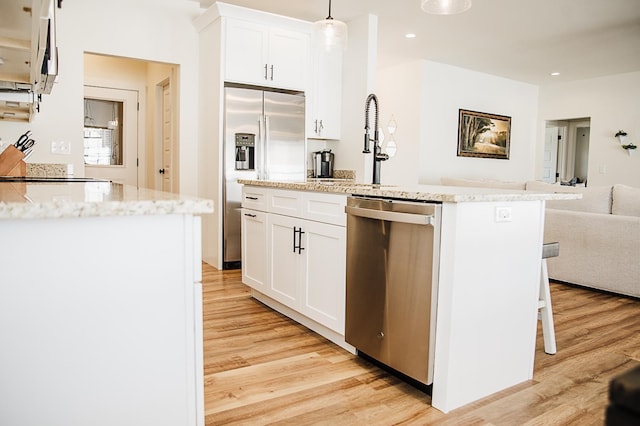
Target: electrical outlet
(61, 147)
(503, 214)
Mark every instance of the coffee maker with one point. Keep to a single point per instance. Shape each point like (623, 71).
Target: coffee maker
(323, 164)
(245, 151)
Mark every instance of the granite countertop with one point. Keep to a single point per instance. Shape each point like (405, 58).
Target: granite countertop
(438, 193)
(20, 200)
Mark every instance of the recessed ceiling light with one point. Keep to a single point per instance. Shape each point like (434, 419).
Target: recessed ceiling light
(410, 35)
(555, 73)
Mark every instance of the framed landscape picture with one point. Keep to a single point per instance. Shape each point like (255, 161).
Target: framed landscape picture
(483, 135)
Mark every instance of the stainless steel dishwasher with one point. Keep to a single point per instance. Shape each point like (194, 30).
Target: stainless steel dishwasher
(392, 281)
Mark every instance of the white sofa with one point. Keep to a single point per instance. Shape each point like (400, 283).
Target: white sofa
(599, 235)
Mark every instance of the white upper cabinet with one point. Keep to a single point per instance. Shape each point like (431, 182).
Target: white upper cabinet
(325, 98)
(266, 55)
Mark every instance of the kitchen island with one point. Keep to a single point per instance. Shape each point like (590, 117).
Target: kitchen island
(488, 273)
(100, 305)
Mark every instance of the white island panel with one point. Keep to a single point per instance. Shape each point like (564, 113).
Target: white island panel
(487, 300)
(100, 306)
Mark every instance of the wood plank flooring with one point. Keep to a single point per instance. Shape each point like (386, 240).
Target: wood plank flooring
(262, 368)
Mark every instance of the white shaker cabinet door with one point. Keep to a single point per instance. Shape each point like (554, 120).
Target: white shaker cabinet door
(325, 97)
(246, 52)
(288, 59)
(284, 259)
(323, 286)
(255, 272)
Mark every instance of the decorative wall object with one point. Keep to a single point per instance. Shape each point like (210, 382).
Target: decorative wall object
(622, 137)
(483, 135)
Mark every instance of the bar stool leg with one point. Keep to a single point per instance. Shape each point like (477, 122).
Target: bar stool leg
(546, 312)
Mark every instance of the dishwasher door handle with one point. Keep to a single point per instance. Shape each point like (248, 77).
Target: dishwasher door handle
(412, 218)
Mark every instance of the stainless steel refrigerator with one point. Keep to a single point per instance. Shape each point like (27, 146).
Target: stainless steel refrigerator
(264, 138)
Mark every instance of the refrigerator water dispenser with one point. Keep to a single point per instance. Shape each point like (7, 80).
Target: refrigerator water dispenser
(245, 151)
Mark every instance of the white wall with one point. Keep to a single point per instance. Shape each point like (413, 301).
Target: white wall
(153, 30)
(425, 97)
(402, 94)
(612, 103)
(358, 80)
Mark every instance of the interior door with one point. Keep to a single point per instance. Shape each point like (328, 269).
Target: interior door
(166, 172)
(550, 162)
(116, 162)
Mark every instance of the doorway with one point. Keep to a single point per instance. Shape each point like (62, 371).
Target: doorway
(148, 80)
(111, 134)
(566, 151)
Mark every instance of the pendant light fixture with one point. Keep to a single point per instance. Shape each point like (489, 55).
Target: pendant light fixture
(330, 33)
(445, 7)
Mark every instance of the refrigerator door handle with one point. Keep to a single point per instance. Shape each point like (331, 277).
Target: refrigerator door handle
(267, 141)
(261, 149)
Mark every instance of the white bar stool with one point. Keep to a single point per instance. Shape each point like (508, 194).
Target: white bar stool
(545, 312)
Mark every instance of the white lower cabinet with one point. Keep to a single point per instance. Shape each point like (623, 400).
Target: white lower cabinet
(307, 262)
(298, 262)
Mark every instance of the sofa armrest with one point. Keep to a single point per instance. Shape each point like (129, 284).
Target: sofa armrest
(596, 250)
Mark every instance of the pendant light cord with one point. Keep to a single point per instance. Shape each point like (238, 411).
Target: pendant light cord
(329, 17)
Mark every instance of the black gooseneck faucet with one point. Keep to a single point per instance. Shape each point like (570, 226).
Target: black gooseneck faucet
(378, 156)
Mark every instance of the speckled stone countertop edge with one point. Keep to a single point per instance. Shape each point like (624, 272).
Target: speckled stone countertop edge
(75, 200)
(63, 209)
(437, 193)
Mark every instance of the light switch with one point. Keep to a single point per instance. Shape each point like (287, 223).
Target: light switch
(61, 147)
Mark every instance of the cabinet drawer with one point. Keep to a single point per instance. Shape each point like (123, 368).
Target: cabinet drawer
(254, 197)
(327, 208)
(285, 202)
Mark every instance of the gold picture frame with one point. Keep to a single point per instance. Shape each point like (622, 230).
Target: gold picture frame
(483, 135)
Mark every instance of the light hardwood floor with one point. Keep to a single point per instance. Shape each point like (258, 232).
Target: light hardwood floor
(263, 368)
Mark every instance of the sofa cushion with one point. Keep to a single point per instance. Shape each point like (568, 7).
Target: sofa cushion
(626, 200)
(482, 183)
(595, 199)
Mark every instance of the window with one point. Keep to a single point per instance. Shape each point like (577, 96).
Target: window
(103, 132)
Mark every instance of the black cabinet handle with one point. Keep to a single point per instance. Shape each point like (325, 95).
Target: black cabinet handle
(252, 198)
(300, 248)
(295, 231)
(250, 215)
(297, 245)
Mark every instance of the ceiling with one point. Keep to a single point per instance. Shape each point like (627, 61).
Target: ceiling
(523, 40)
